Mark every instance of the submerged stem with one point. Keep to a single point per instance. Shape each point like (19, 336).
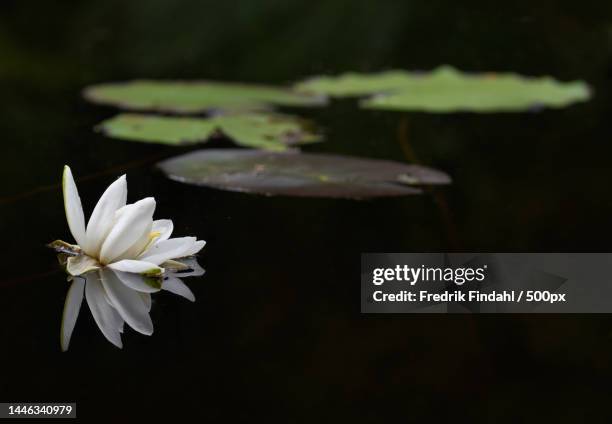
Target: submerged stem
(108, 171)
(403, 139)
(439, 198)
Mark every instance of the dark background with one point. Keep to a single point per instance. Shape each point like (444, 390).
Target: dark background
(276, 331)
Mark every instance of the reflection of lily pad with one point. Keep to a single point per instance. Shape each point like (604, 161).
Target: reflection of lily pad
(293, 173)
(263, 131)
(448, 90)
(197, 96)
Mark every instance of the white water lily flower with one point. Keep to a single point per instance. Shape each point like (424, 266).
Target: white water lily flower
(122, 237)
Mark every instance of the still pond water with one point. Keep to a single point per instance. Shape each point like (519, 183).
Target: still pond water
(276, 325)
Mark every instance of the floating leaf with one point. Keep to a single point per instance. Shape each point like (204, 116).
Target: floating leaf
(260, 130)
(196, 96)
(353, 84)
(448, 90)
(293, 173)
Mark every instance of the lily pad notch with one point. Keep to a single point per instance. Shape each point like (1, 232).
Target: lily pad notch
(267, 131)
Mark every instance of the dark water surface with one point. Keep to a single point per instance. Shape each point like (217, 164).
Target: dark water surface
(276, 328)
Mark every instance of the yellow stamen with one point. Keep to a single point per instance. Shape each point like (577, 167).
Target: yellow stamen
(152, 236)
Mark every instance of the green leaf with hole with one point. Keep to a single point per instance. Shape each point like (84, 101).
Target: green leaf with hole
(446, 90)
(258, 130)
(196, 96)
(292, 173)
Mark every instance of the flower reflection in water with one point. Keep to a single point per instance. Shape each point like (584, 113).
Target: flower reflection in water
(115, 298)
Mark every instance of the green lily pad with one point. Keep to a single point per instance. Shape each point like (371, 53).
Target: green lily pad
(196, 96)
(446, 90)
(293, 173)
(259, 130)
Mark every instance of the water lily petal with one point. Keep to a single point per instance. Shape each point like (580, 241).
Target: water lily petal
(128, 229)
(103, 216)
(164, 227)
(197, 246)
(146, 300)
(168, 249)
(160, 230)
(144, 241)
(193, 268)
(73, 207)
(176, 286)
(108, 319)
(121, 210)
(72, 306)
(174, 266)
(127, 302)
(81, 264)
(137, 267)
(138, 282)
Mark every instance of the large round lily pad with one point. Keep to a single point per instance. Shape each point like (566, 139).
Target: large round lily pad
(195, 96)
(293, 173)
(260, 130)
(446, 89)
